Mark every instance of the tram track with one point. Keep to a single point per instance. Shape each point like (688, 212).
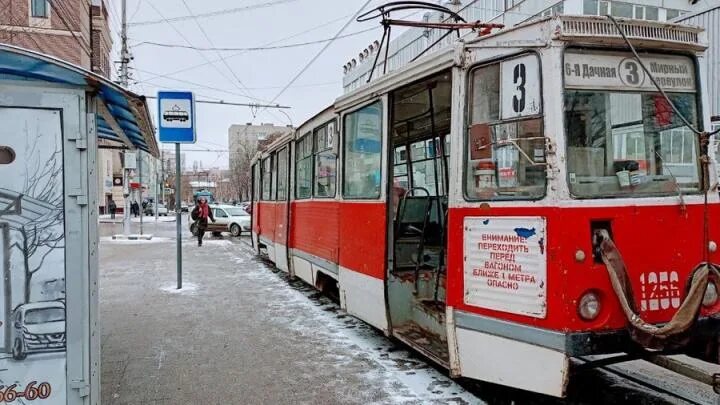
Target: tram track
(655, 383)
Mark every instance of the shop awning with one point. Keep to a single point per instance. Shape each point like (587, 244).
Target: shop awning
(122, 116)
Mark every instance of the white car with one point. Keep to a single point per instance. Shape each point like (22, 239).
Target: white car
(228, 218)
(38, 327)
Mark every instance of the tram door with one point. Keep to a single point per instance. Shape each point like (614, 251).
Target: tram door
(282, 207)
(419, 153)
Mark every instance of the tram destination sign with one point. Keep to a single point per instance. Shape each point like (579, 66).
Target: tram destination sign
(176, 115)
(621, 71)
(505, 265)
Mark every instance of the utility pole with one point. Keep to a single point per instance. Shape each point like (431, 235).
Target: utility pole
(124, 53)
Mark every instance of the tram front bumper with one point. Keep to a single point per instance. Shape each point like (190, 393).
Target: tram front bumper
(704, 341)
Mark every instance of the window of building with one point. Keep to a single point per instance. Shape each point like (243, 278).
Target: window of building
(304, 167)
(557, 9)
(266, 179)
(652, 13)
(512, 3)
(282, 174)
(624, 10)
(670, 14)
(325, 161)
(362, 157)
(505, 142)
(39, 8)
(590, 7)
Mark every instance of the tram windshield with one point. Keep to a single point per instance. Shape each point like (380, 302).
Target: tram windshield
(629, 143)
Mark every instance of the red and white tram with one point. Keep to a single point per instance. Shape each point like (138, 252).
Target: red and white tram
(507, 204)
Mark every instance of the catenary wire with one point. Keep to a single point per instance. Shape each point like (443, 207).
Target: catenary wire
(317, 55)
(214, 13)
(55, 6)
(317, 27)
(202, 54)
(251, 49)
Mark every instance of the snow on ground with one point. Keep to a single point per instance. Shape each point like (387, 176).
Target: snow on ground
(405, 376)
(155, 239)
(187, 288)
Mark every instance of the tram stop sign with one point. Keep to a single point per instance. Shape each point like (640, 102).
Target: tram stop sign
(176, 115)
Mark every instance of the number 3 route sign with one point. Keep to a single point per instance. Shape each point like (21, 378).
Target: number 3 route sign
(176, 115)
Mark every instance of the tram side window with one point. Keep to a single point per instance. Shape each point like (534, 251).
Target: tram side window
(304, 167)
(362, 157)
(282, 173)
(325, 161)
(266, 178)
(506, 144)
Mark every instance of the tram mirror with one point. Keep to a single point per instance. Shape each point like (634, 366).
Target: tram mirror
(7, 155)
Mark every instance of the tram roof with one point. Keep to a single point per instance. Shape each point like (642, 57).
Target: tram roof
(589, 30)
(123, 115)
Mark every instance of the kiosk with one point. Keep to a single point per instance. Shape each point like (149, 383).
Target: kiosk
(51, 116)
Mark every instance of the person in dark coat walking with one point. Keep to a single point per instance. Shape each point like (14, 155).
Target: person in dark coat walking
(135, 208)
(201, 213)
(112, 207)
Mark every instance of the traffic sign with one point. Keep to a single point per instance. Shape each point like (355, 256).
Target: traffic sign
(176, 115)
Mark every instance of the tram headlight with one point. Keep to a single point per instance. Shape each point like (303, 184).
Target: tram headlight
(711, 295)
(589, 306)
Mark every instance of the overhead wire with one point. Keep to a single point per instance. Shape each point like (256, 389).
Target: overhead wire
(55, 6)
(315, 28)
(222, 59)
(211, 63)
(258, 48)
(319, 53)
(214, 13)
(23, 29)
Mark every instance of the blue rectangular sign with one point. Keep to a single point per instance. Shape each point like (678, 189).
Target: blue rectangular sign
(176, 116)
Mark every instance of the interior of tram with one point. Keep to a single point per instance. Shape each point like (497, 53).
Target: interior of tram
(420, 150)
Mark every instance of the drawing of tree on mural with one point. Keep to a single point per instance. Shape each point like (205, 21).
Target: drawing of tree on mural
(41, 236)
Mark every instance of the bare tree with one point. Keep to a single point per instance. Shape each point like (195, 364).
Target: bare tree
(240, 160)
(44, 234)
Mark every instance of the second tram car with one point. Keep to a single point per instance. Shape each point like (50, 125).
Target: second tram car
(511, 202)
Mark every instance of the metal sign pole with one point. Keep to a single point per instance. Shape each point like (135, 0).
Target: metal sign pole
(178, 215)
(140, 190)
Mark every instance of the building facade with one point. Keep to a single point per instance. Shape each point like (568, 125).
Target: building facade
(244, 141)
(60, 28)
(414, 41)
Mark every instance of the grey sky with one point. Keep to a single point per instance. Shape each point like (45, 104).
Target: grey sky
(264, 73)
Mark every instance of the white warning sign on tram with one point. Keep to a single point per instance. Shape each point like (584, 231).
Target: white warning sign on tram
(505, 265)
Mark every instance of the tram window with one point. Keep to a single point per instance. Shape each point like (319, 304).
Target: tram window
(282, 173)
(325, 161)
(362, 157)
(303, 167)
(266, 178)
(630, 143)
(506, 157)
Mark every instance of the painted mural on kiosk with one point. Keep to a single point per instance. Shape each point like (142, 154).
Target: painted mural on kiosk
(32, 257)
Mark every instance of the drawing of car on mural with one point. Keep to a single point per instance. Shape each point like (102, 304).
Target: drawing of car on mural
(176, 114)
(38, 327)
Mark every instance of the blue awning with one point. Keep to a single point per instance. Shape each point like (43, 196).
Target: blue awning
(123, 117)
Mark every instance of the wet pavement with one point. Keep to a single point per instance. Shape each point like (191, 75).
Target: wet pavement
(240, 332)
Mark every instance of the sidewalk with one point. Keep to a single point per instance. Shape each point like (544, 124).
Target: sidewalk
(240, 333)
(105, 219)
